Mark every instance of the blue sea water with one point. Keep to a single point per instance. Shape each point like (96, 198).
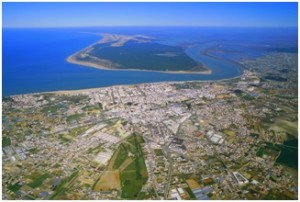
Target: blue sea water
(34, 60)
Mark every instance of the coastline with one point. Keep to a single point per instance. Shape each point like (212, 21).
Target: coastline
(108, 65)
(77, 91)
(71, 59)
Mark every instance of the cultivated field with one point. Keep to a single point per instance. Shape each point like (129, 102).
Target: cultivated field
(109, 180)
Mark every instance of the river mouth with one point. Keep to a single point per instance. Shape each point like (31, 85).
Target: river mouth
(217, 66)
(29, 67)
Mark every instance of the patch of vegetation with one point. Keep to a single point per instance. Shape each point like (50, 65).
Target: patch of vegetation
(191, 194)
(187, 85)
(158, 152)
(91, 108)
(33, 150)
(275, 78)
(248, 97)
(260, 152)
(124, 123)
(63, 138)
(288, 97)
(233, 126)
(136, 140)
(238, 92)
(229, 132)
(29, 197)
(111, 122)
(51, 108)
(131, 166)
(63, 186)
(131, 184)
(273, 195)
(122, 156)
(267, 120)
(254, 135)
(141, 196)
(74, 117)
(95, 150)
(59, 191)
(100, 106)
(73, 133)
(6, 141)
(78, 131)
(14, 187)
(7, 99)
(38, 181)
(74, 98)
(57, 165)
(147, 56)
(135, 174)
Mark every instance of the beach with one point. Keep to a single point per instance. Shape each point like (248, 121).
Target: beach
(117, 40)
(55, 69)
(72, 59)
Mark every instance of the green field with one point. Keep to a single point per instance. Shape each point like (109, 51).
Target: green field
(133, 178)
(63, 187)
(73, 98)
(14, 187)
(73, 133)
(191, 194)
(6, 141)
(122, 156)
(131, 184)
(273, 195)
(135, 174)
(136, 140)
(38, 180)
(260, 152)
(51, 108)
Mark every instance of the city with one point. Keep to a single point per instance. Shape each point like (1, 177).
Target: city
(170, 140)
(150, 100)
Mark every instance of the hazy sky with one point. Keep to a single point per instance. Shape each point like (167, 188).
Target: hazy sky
(149, 14)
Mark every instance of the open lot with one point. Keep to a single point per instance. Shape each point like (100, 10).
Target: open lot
(109, 180)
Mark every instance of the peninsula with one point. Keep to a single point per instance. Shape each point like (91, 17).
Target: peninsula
(136, 52)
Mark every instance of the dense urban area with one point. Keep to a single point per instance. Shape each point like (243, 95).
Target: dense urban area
(230, 139)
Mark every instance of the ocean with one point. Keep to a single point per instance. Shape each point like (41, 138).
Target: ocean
(34, 60)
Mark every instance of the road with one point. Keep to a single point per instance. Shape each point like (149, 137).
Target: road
(150, 172)
(167, 152)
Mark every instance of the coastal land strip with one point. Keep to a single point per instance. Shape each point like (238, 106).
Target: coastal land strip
(123, 48)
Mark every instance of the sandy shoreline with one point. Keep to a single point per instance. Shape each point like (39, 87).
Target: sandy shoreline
(77, 91)
(71, 59)
(72, 92)
(108, 65)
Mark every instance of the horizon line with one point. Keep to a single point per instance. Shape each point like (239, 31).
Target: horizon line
(95, 26)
